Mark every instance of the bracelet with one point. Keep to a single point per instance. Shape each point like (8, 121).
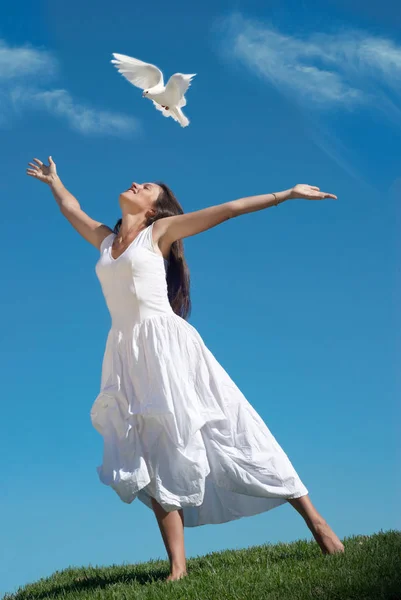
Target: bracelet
(275, 198)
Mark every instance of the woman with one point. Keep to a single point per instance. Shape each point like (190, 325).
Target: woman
(178, 433)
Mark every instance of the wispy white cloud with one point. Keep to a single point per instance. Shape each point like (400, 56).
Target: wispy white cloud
(326, 70)
(23, 71)
(82, 118)
(347, 71)
(25, 61)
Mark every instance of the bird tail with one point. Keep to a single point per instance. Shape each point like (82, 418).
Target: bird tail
(181, 118)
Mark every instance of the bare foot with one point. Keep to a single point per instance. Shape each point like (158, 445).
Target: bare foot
(178, 574)
(326, 538)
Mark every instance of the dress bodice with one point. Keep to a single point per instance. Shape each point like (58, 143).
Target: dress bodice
(134, 284)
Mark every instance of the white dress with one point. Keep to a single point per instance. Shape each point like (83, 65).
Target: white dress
(175, 426)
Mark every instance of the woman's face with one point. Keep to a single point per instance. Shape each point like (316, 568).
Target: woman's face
(140, 196)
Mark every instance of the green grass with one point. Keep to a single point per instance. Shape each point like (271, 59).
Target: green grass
(370, 568)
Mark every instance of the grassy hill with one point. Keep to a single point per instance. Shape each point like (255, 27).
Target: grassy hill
(370, 569)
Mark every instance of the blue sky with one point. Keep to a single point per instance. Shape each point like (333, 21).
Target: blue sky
(298, 303)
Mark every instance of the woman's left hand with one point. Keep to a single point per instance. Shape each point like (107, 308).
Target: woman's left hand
(309, 192)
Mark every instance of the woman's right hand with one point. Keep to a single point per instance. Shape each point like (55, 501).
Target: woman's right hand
(44, 173)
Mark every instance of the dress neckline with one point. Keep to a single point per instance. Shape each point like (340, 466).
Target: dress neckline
(131, 244)
(127, 248)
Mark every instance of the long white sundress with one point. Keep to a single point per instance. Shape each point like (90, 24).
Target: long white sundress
(175, 426)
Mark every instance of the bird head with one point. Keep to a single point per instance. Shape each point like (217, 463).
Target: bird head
(145, 93)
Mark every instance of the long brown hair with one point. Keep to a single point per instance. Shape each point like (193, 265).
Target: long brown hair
(178, 278)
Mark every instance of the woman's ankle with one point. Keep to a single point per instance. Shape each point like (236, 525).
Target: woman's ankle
(178, 566)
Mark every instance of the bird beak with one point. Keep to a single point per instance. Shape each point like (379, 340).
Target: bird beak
(143, 94)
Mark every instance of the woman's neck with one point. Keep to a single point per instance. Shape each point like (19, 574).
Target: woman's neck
(131, 223)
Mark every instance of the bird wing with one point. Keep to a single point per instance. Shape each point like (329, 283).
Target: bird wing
(176, 87)
(142, 75)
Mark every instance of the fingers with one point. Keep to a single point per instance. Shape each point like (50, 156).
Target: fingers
(319, 196)
(38, 161)
(34, 170)
(323, 194)
(312, 192)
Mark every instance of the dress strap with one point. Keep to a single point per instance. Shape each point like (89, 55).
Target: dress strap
(148, 237)
(148, 241)
(108, 240)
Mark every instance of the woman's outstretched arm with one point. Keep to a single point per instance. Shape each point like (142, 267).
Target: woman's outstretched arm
(93, 231)
(170, 229)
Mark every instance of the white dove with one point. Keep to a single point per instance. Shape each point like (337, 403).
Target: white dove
(169, 99)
